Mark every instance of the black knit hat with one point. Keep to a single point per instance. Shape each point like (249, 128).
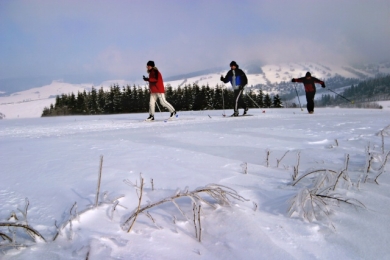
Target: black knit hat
(150, 63)
(308, 74)
(233, 63)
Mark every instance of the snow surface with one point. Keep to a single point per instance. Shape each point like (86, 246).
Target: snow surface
(54, 162)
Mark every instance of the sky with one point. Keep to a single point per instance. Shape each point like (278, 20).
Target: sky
(96, 40)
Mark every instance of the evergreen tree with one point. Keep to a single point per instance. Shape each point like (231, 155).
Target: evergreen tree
(277, 103)
(267, 101)
(117, 99)
(126, 99)
(92, 102)
(260, 98)
(80, 104)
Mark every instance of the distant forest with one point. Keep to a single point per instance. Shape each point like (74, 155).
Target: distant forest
(368, 91)
(134, 99)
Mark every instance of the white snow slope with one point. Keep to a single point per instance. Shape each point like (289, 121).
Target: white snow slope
(54, 163)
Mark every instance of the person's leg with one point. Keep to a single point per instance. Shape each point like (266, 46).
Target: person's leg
(237, 94)
(152, 103)
(310, 101)
(241, 101)
(165, 103)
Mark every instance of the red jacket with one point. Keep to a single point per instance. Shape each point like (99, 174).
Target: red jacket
(310, 83)
(156, 83)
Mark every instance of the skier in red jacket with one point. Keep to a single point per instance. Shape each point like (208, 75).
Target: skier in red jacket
(157, 91)
(310, 89)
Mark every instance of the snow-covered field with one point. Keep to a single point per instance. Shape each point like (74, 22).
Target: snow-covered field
(54, 163)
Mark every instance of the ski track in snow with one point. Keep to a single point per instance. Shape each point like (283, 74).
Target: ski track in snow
(54, 163)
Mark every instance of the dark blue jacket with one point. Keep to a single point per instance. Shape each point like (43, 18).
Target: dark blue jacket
(241, 79)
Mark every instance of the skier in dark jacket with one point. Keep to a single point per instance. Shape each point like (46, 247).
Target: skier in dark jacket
(310, 89)
(238, 79)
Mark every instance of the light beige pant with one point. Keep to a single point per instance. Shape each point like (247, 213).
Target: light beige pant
(163, 102)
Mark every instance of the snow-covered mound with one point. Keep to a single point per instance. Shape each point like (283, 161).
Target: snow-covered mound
(50, 169)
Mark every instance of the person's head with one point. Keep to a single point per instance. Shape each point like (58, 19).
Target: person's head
(150, 65)
(308, 75)
(233, 65)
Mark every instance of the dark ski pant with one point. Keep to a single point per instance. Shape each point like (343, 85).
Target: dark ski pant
(239, 100)
(310, 101)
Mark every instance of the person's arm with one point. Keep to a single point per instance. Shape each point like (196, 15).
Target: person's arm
(244, 79)
(300, 80)
(319, 82)
(227, 78)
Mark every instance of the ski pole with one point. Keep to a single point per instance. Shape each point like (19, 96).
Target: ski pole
(223, 101)
(340, 95)
(296, 91)
(253, 101)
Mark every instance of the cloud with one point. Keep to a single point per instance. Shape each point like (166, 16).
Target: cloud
(118, 38)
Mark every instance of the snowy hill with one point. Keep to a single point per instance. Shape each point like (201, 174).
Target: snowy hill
(50, 169)
(30, 103)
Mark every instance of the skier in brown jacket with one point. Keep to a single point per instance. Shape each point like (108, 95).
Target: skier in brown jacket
(310, 89)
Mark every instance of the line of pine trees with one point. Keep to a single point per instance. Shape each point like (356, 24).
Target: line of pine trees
(136, 99)
(370, 90)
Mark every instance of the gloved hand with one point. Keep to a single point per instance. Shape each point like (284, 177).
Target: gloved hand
(293, 80)
(222, 78)
(240, 87)
(145, 78)
(323, 85)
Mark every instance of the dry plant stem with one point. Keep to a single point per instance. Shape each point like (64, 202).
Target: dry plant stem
(376, 178)
(267, 159)
(24, 212)
(370, 158)
(245, 167)
(296, 168)
(298, 161)
(383, 142)
(17, 246)
(382, 133)
(71, 218)
(13, 215)
(278, 161)
(194, 210)
(200, 226)
(181, 211)
(151, 180)
(4, 237)
(347, 201)
(99, 180)
(87, 256)
(342, 172)
(26, 227)
(139, 204)
(254, 206)
(384, 162)
(218, 192)
(320, 170)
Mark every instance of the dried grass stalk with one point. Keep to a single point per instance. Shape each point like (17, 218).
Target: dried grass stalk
(26, 227)
(220, 193)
